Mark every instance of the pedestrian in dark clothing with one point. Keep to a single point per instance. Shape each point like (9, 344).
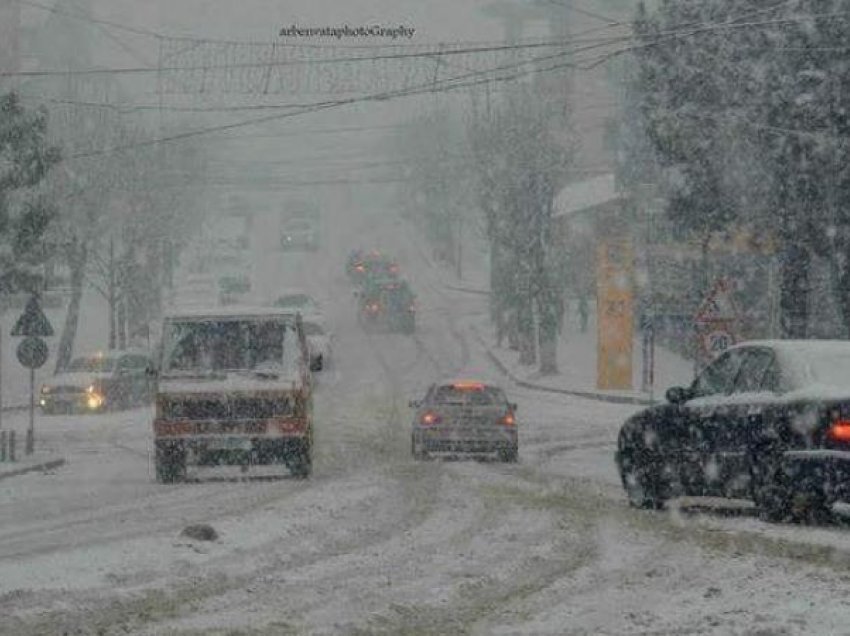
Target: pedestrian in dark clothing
(583, 313)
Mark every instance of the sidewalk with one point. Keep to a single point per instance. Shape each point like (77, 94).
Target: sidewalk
(576, 352)
(37, 462)
(577, 366)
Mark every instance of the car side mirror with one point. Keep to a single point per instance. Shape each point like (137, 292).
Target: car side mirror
(514, 406)
(677, 395)
(414, 404)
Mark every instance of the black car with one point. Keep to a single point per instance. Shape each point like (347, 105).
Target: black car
(388, 304)
(767, 420)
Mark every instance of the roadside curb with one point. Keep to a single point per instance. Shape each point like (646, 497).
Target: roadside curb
(41, 466)
(468, 290)
(590, 395)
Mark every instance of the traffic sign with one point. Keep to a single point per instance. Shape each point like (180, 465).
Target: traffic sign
(32, 322)
(717, 341)
(32, 352)
(718, 306)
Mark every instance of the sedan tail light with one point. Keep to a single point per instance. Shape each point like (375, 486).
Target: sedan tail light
(507, 420)
(839, 431)
(430, 419)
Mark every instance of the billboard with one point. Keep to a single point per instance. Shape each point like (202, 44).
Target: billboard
(615, 314)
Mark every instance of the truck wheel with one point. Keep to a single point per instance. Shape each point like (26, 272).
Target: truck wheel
(416, 449)
(509, 455)
(170, 462)
(301, 464)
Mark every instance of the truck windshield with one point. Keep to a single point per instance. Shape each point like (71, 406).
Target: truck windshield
(223, 345)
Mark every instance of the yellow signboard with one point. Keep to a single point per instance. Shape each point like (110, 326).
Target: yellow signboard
(615, 323)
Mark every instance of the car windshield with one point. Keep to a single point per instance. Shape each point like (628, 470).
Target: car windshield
(223, 345)
(92, 364)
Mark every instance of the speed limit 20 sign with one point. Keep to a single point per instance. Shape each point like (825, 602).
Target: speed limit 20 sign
(716, 342)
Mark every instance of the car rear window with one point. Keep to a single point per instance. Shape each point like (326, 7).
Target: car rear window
(478, 396)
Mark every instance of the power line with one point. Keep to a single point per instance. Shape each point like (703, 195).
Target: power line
(89, 18)
(441, 85)
(570, 5)
(440, 52)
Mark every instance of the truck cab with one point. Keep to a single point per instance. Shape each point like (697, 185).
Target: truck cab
(234, 388)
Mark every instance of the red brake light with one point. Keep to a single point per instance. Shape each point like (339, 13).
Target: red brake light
(468, 386)
(508, 420)
(839, 431)
(360, 267)
(429, 419)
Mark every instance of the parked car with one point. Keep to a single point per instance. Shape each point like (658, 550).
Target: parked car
(100, 382)
(768, 420)
(466, 417)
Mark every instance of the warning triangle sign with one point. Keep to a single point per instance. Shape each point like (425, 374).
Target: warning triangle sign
(718, 305)
(32, 322)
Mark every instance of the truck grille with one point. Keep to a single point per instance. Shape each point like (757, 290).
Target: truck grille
(225, 409)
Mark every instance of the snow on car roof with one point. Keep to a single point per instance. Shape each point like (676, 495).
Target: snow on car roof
(816, 368)
(798, 347)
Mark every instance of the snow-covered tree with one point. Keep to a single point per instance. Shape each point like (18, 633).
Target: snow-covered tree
(26, 157)
(743, 106)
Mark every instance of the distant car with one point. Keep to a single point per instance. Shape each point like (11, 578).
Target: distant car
(298, 301)
(233, 287)
(100, 382)
(197, 289)
(387, 304)
(363, 266)
(318, 342)
(299, 234)
(768, 420)
(465, 416)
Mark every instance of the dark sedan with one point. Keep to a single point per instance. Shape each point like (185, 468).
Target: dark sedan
(767, 420)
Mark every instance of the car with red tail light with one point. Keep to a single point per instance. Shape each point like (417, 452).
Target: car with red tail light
(767, 420)
(464, 417)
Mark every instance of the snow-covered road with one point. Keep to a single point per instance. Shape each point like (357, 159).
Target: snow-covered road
(377, 543)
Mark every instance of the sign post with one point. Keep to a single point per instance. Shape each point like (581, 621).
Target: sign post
(32, 353)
